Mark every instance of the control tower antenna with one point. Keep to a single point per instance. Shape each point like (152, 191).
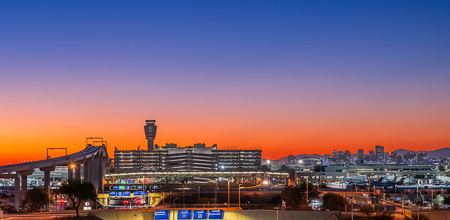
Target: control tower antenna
(150, 133)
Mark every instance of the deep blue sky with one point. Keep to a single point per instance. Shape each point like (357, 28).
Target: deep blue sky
(308, 67)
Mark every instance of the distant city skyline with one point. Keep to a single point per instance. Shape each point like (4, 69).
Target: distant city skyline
(293, 77)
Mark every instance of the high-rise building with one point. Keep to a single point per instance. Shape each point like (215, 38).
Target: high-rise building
(334, 154)
(393, 157)
(347, 155)
(360, 154)
(409, 157)
(340, 155)
(372, 155)
(326, 158)
(422, 158)
(379, 153)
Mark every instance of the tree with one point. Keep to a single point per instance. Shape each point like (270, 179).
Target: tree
(447, 200)
(78, 192)
(418, 201)
(367, 209)
(334, 201)
(296, 195)
(439, 200)
(35, 199)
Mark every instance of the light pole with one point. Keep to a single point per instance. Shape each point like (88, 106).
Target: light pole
(228, 193)
(431, 205)
(403, 202)
(307, 203)
(184, 190)
(215, 195)
(417, 197)
(239, 195)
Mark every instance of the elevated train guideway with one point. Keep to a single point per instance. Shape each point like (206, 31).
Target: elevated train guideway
(94, 159)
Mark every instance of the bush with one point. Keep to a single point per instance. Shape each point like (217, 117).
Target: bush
(35, 199)
(385, 215)
(334, 202)
(367, 209)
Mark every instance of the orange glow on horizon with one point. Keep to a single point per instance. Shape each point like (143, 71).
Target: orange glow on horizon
(128, 135)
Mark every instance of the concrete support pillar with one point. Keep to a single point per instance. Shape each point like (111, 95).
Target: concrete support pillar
(69, 172)
(24, 185)
(100, 174)
(78, 172)
(86, 172)
(17, 193)
(47, 179)
(94, 172)
(24, 177)
(47, 187)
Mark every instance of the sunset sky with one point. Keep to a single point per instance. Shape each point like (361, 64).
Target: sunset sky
(291, 77)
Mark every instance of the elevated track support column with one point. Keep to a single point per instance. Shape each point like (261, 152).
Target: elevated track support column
(95, 170)
(78, 171)
(47, 171)
(69, 172)
(86, 171)
(24, 178)
(17, 193)
(100, 173)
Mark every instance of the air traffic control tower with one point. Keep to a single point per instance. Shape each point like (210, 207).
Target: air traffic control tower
(150, 132)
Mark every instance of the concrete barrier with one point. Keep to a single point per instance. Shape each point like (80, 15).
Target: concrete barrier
(228, 215)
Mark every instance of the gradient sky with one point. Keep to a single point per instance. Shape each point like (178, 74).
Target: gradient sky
(291, 77)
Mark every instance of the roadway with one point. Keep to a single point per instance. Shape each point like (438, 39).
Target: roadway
(44, 215)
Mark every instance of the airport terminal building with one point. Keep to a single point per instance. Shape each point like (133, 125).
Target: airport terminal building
(172, 158)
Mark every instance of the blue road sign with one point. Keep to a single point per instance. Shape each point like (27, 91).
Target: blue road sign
(161, 214)
(215, 214)
(184, 214)
(200, 214)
